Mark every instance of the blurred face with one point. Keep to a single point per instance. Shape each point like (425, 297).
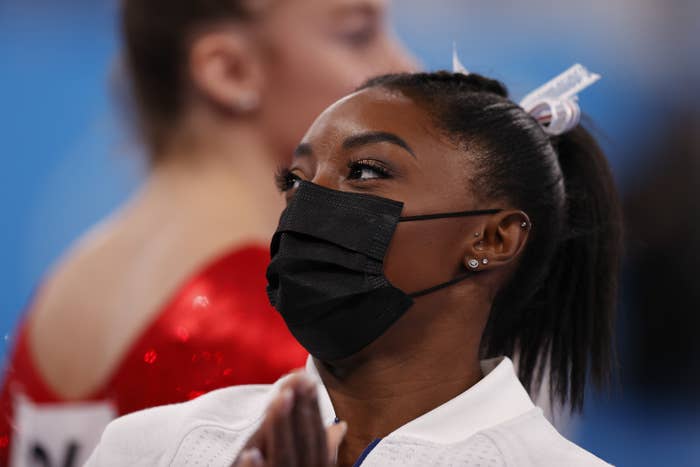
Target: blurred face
(317, 51)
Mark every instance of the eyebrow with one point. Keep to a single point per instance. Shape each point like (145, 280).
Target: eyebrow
(368, 7)
(376, 137)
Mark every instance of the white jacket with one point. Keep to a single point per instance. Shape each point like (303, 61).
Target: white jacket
(492, 424)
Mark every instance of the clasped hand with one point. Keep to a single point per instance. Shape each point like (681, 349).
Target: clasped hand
(292, 434)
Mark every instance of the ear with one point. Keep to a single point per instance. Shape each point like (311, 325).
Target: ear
(498, 242)
(225, 69)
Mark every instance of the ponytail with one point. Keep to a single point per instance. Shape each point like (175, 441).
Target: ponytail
(568, 327)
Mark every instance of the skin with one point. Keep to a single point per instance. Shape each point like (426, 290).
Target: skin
(432, 353)
(292, 432)
(252, 90)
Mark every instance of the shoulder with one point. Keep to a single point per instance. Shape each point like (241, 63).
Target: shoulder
(531, 440)
(239, 267)
(155, 436)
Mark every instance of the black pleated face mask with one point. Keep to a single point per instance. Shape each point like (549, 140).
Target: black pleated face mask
(326, 277)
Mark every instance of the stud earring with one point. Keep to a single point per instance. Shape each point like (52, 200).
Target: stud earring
(485, 261)
(246, 103)
(473, 263)
(524, 225)
(476, 234)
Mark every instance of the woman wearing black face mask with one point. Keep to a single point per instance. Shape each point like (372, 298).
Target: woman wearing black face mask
(434, 228)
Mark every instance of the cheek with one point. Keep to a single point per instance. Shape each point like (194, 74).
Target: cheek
(421, 256)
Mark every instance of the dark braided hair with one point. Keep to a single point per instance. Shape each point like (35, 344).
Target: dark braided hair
(556, 312)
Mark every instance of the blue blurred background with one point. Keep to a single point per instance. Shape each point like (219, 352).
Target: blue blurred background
(67, 161)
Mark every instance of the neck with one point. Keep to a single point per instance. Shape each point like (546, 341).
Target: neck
(219, 175)
(377, 395)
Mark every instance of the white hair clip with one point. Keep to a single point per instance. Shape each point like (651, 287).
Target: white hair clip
(457, 66)
(555, 104)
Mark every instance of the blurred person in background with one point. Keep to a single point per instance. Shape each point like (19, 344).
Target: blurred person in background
(165, 299)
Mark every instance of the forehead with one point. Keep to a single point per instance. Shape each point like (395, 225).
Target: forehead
(439, 169)
(374, 109)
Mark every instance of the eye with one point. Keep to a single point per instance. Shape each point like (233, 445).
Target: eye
(358, 28)
(359, 38)
(286, 180)
(367, 170)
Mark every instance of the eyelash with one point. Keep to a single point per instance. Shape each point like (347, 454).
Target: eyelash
(285, 178)
(376, 166)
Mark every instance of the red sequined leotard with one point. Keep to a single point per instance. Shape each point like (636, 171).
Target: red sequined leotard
(218, 330)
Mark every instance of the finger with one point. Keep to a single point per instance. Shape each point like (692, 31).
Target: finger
(260, 438)
(250, 458)
(280, 439)
(299, 430)
(319, 431)
(257, 440)
(334, 436)
(279, 409)
(308, 427)
(263, 435)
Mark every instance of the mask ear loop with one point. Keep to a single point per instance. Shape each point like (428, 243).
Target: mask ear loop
(444, 285)
(445, 215)
(462, 276)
